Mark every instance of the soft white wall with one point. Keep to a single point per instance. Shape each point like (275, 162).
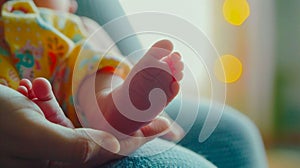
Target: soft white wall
(253, 43)
(197, 12)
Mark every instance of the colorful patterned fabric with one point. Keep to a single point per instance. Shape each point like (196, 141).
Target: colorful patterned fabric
(40, 42)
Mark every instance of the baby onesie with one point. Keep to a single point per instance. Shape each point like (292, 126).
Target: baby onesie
(40, 42)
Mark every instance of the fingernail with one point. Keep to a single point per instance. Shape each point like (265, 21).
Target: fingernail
(110, 144)
(179, 133)
(166, 120)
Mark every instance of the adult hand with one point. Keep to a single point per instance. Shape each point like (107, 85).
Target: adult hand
(28, 139)
(175, 132)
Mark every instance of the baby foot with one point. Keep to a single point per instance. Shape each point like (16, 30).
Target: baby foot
(149, 87)
(159, 68)
(40, 92)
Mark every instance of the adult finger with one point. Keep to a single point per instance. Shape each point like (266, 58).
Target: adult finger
(33, 137)
(147, 133)
(156, 127)
(175, 132)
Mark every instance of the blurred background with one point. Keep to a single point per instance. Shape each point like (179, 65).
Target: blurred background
(266, 42)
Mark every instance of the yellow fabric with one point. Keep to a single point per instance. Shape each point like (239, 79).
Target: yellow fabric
(46, 44)
(36, 46)
(8, 74)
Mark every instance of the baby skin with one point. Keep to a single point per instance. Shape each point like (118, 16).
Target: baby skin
(125, 106)
(40, 91)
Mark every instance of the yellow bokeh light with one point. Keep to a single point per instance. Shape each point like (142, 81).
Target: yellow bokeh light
(236, 11)
(228, 69)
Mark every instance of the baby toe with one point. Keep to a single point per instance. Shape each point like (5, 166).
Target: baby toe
(178, 66)
(178, 76)
(26, 83)
(42, 89)
(23, 90)
(175, 57)
(26, 88)
(160, 49)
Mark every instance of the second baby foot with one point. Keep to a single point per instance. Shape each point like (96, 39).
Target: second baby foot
(40, 92)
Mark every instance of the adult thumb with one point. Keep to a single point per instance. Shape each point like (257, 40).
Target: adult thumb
(98, 142)
(49, 141)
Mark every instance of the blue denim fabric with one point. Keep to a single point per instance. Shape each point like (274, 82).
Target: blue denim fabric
(235, 143)
(172, 156)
